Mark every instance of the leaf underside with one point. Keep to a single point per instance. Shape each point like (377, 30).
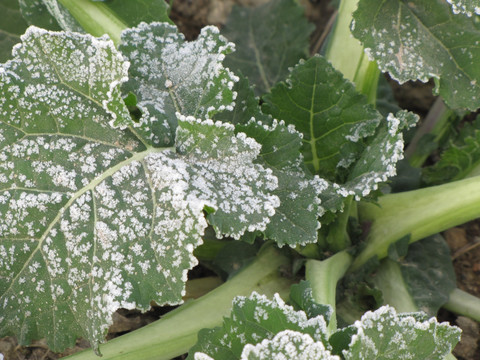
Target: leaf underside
(422, 40)
(94, 218)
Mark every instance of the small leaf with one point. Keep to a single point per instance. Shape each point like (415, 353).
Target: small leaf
(385, 335)
(421, 40)
(254, 319)
(172, 76)
(269, 39)
(301, 298)
(460, 159)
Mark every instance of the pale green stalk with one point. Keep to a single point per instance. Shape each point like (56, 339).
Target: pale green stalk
(95, 18)
(346, 54)
(419, 213)
(323, 277)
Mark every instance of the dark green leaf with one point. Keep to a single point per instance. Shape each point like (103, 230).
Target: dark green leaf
(428, 273)
(269, 39)
(460, 159)
(423, 39)
(11, 27)
(302, 299)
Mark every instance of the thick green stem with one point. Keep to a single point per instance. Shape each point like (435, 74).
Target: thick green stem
(323, 277)
(463, 303)
(346, 54)
(176, 332)
(419, 213)
(96, 18)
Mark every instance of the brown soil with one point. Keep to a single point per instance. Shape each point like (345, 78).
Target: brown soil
(464, 241)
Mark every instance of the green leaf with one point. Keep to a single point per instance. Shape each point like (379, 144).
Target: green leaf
(255, 319)
(385, 335)
(295, 220)
(460, 159)
(428, 273)
(172, 76)
(341, 142)
(12, 26)
(333, 118)
(421, 40)
(91, 219)
(301, 298)
(269, 39)
(467, 7)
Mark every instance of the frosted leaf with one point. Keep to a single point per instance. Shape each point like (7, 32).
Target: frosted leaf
(288, 345)
(341, 133)
(422, 40)
(254, 319)
(333, 118)
(296, 219)
(379, 159)
(70, 81)
(92, 220)
(171, 75)
(467, 7)
(383, 334)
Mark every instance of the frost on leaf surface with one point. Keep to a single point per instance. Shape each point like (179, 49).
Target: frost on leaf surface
(91, 220)
(269, 39)
(288, 344)
(296, 219)
(385, 335)
(467, 7)
(255, 319)
(170, 75)
(422, 40)
(340, 130)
